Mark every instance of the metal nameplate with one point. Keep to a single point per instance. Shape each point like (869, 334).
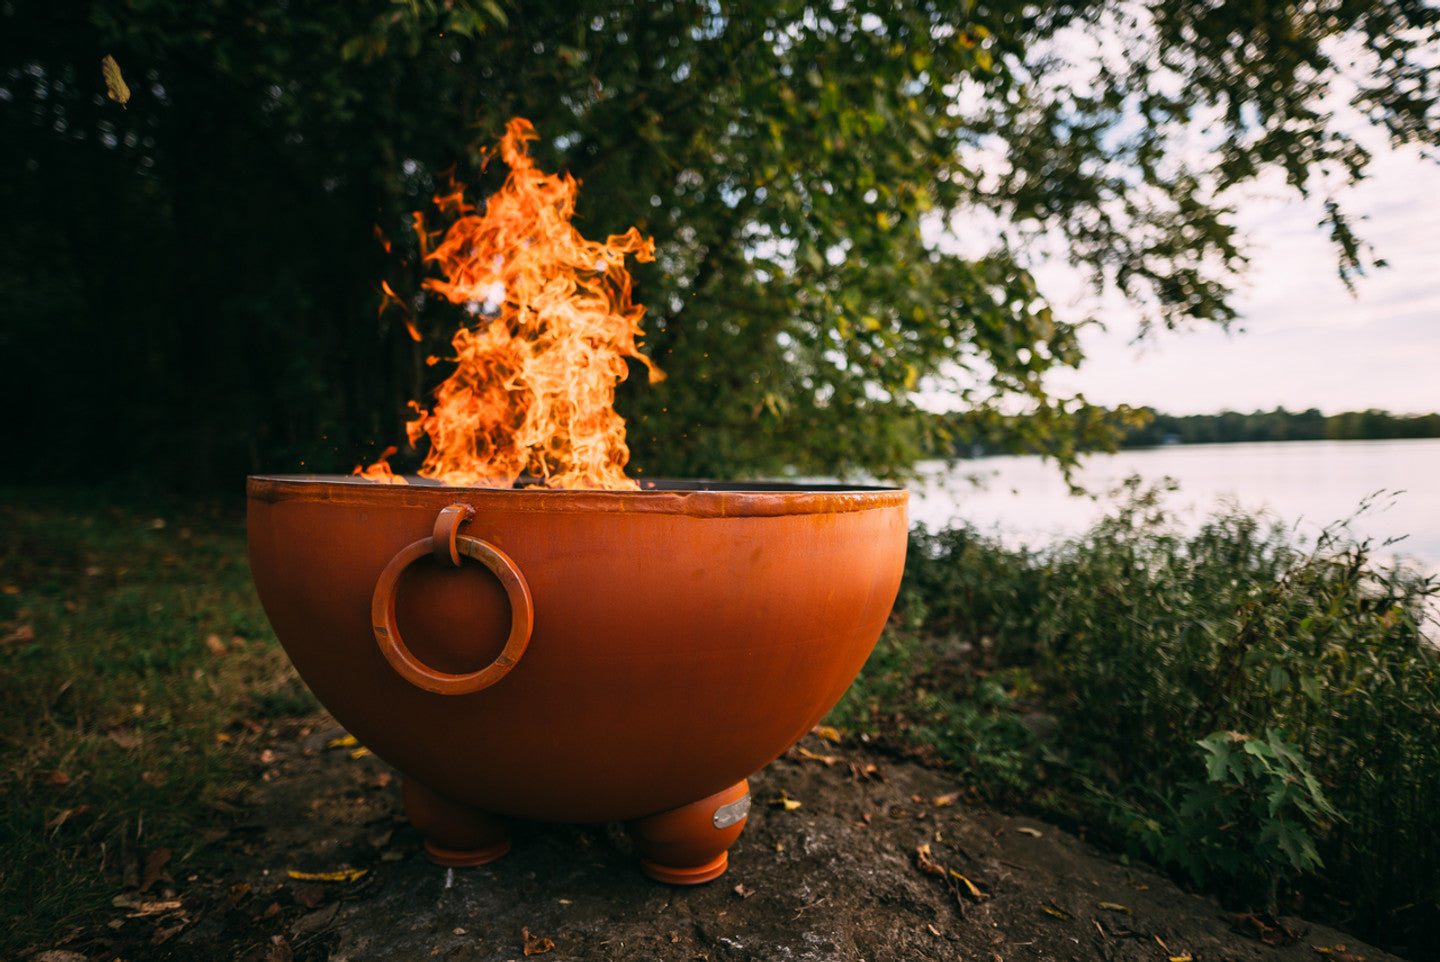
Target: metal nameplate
(732, 813)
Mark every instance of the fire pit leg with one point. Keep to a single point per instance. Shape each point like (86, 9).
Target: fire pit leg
(690, 844)
(455, 835)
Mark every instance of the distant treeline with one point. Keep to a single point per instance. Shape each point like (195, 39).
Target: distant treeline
(1277, 425)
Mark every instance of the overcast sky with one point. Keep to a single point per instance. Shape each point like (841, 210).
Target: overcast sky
(1302, 340)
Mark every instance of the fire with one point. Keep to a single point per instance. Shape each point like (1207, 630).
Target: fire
(533, 390)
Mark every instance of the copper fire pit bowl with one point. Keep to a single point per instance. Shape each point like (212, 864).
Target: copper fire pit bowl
(577, 656)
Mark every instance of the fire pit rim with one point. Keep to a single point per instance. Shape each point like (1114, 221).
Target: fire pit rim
(661, 496)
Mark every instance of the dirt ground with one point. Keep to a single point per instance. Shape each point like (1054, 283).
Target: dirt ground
(880, 860)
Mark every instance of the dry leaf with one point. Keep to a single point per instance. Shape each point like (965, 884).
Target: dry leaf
(155, 861)
(310, 896)
(280, 950)
(743, 891)
(339, 875)
(1032, 832)
(360, 752)
(926, 864)
(1183, 957)
(804, 752)
(970, 886)
(115, 87)
(23, 633)
(155, 907)
(534, 945)
(344, 741)
(784, 801)
(940, 801)
(216, 646)
(1114, 907)
(827, 732)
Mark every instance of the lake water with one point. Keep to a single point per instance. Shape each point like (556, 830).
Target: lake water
(1306, 484)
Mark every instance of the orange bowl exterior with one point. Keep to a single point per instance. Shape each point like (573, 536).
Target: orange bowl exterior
(681, 639)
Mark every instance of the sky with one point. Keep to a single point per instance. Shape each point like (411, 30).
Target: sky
(1302, 340)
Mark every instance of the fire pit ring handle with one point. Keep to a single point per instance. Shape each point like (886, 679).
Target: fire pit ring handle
(399, 655)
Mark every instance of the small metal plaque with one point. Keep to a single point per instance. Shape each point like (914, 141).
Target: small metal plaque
(732, 813)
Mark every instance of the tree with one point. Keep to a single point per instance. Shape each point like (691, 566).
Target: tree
(797, 164)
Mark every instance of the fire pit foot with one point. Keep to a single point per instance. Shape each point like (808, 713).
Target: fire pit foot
(456, 835)
(689, 845)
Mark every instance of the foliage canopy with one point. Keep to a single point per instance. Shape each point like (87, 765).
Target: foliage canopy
(206, 253)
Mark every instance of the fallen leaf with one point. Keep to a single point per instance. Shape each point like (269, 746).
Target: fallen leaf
(827, 732)
(1114, 907)
(1032, 832)
(1056, 912)
(534, 945)
(10, 590)
(23, 633)
(164, 934)
(280, 950)
(217, 647)
(970, 886)
(941, 801)
(1184, 957)
(154, 872)
(58, 955)
(868, 772)
(155, 907)
(743, 891)
(267, 757)
(360, 752)
(344, 741)
(933, 930)
(926, 864)
(309, 896)
(828, 760)
(339, 875)
(784, 801)
(234, 895)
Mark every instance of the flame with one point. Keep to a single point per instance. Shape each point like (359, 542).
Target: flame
(533, 389)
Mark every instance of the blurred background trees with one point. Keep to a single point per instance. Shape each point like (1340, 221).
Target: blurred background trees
(847, 201)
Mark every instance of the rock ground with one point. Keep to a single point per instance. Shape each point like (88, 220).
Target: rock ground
(881, 860)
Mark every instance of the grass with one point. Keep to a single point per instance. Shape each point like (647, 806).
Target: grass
(135, 665)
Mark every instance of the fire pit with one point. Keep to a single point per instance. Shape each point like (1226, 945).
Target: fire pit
(577, 655)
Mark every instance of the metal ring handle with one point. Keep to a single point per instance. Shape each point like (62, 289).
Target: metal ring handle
(403, 660)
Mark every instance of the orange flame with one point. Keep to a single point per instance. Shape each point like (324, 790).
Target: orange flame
(533, 390)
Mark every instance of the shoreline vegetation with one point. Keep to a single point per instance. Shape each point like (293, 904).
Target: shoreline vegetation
(1123, 428)
(1258, 719)
(1230, 427)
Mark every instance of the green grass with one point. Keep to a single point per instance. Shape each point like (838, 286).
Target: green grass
(136, 664)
